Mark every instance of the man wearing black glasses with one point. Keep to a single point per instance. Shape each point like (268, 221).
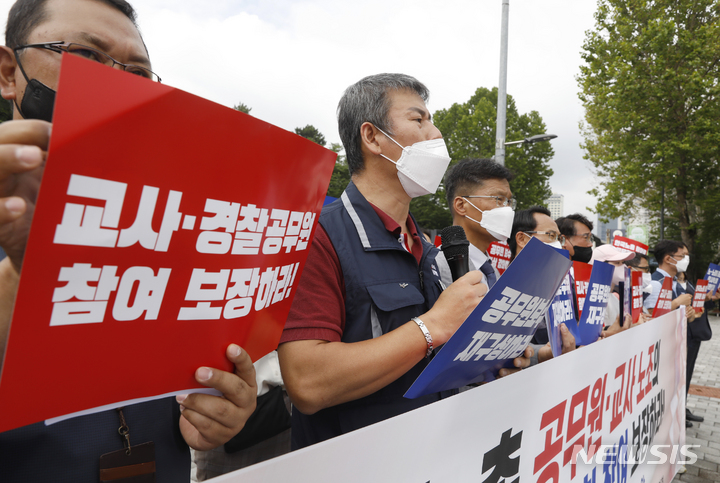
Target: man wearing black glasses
(537, 222)
(478, 194)
(38, 32)
(577, 230)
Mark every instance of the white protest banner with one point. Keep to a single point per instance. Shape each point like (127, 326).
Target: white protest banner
(613, 411)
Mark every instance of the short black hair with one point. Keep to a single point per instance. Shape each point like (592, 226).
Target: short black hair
(635, 262)
(25, 15)
(524, 221)
(665, 248)
(470, 173)
(566, 224)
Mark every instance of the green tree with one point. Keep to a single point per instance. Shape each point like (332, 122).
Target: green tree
(311, 132)
(243, 108)
(652, 110)
(431, 211)
(340, 175)
(469, 131)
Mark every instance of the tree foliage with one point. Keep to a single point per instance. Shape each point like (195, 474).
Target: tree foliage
(469, 131)
(311, 132)
(340, 175)
(243, 108)
(650, 91)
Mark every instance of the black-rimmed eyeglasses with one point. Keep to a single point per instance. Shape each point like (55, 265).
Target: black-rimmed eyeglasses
(553, 235)
(91, 54)
(499, 200)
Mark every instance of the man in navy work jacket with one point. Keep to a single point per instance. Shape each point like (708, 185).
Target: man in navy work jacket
(369, 307)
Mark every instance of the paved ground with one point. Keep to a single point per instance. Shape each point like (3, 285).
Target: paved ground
(704, 400)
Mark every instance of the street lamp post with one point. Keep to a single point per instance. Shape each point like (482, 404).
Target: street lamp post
(502, 87)
(532, 139)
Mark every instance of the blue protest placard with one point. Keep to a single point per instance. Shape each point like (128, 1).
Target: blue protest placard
(592, 319)
(561, 311)
(627, 293)
(713, 278)
(502, 324)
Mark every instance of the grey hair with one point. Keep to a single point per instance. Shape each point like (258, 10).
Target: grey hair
(368, 101)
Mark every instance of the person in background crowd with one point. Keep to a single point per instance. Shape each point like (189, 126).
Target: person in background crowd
(671, 258)
(640, 263)
(613, 314)
(697, 331)
(537, 222)
(38, 32)
(578, 236)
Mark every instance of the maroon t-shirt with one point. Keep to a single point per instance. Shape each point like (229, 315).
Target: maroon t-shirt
(318, 309)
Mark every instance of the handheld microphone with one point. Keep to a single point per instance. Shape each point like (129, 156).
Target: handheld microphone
(455, 248)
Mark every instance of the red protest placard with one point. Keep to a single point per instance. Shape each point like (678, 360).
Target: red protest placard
(662, 306)
(630, 245)
(701, 290)
(166, 227)
(499, 253)
(637, 295)
(582, 279)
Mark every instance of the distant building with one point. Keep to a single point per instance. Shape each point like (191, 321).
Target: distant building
(556, 205)
(604, 231)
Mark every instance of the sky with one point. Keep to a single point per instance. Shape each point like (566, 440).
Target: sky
(291, 60)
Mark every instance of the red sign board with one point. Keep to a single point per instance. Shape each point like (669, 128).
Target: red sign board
(637, 295)
(582, 273)
(662, 306)
(499, 253)
(630, 245)
(166, 227)
(701, 290)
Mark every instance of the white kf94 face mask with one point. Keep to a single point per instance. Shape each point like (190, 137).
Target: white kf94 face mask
(555, 244)
(647, 282)
(498, 221)
(682, 265)
(421, 166)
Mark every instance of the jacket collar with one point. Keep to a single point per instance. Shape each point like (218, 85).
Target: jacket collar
(370, 229)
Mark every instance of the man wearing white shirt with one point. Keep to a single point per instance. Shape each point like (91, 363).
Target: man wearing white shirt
(668, 254)
(480, 200)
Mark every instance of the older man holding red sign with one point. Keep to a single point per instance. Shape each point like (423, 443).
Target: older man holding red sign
(37, 33)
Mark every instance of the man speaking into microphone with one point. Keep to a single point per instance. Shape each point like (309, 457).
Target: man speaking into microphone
(369, 308)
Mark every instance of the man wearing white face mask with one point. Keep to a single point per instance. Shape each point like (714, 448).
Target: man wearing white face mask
(368, 310)
(480, 200)
(671, 258)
